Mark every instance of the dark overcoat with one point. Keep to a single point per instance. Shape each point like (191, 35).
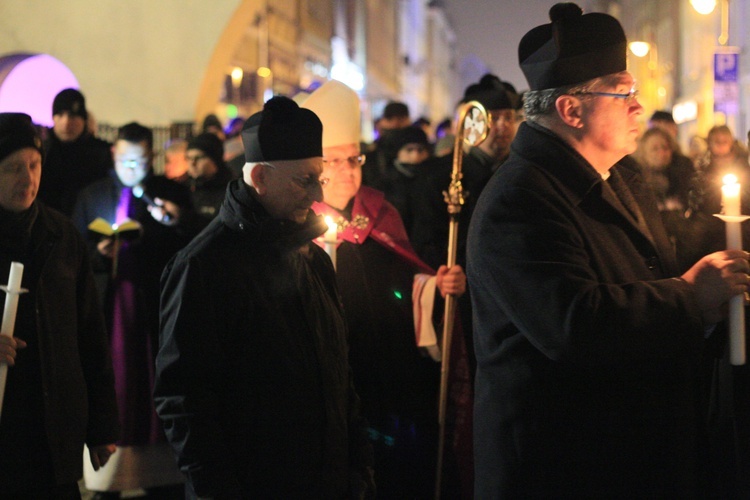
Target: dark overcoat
(65, 373)
(252, 382)
(588, 349)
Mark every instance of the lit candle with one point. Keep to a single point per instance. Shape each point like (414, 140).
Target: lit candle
(730, 195)
(330, 239)
(12, 291)
(730, 201)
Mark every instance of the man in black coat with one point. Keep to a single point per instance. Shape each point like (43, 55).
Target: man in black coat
(59, 392)
(73, 157)
(253, 383)
(588, 341)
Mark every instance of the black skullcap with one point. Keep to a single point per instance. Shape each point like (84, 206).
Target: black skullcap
(72, 101)
(573, 49)
(282, 131)
(490, 92)
(17, 132)
(211, 145)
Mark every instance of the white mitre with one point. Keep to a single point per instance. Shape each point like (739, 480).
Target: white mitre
(337, 106)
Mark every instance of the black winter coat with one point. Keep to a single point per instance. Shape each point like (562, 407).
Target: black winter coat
(253, 383)
(588, 350)
(66, 371)
(70, 167)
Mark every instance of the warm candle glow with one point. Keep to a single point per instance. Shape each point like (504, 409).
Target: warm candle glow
(730, 195)
(333, 228)
(330, 238)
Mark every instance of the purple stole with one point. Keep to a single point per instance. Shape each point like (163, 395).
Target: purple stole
(132, 356)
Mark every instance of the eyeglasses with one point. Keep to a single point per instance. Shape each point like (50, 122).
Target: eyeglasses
(352, 161)
(131, 163)
(304, 181)
(629, 97)
(194, 159)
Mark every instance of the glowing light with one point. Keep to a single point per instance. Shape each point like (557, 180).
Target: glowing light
(685, 111)
(348, 73)
(30, 82)
(398, 294)
(264, 72)
(232, 111)
(237, 75)
(639, 49)
(729, 179)
(703, 6)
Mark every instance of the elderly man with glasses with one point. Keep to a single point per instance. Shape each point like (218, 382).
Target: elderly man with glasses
(253, 383)
(588, 340)
(388, 295)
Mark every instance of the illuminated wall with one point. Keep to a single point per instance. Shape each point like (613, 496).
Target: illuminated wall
(137, 59)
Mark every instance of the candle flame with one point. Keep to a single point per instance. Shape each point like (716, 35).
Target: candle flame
(730, 179)
(332, 226)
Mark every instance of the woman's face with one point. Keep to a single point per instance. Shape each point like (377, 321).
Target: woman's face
(656, 152)
(720, 144)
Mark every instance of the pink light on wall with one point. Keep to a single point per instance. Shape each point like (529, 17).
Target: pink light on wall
(30, 82)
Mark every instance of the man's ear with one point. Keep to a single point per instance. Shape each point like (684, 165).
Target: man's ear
(570, 110)
(258, 179)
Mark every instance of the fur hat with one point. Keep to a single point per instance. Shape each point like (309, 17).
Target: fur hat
(72, 101)
(574, 48)
(282, 131)
(17, 132)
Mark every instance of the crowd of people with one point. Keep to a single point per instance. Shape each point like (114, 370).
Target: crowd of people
(263, 320)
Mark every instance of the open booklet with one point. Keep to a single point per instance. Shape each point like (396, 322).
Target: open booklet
(126, 230)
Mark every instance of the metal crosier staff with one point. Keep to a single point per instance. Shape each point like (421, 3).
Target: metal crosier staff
(473, 126)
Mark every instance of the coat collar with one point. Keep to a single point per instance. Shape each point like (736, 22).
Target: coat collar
(243, 213)
(572, 170)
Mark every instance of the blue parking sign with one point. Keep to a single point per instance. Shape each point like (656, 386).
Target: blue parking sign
(726, 67)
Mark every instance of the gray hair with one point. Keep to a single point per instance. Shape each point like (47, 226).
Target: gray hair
(540, 103)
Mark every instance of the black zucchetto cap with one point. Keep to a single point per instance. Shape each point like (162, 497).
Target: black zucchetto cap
(491, 93)
(17, 132)
(72, 101)
(282, 131)
(573, 48)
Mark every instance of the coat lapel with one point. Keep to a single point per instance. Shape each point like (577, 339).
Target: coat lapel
(617, 193)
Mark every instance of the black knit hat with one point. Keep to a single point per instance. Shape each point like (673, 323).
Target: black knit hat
(212, 146)
(400, 137)
(72, 101)
(282, 131)
(490, 92)
(574, 48)
(17, 132)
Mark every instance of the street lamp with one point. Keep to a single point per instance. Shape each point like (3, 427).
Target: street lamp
(706, 7)
(642, 49)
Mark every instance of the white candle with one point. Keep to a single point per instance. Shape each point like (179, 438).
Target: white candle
(330, 238)
(731, 206)
(12, 291)
(730, 196)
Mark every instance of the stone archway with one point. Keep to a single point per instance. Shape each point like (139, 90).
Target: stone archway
(224, 53)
